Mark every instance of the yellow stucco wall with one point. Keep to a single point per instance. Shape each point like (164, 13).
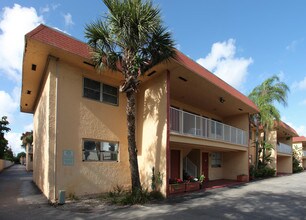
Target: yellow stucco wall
(44, 134)
(193, 109)
(284, 164)
(234, 164)
(152, 129)
(29, 163)
(81, 118)
(5, 164)
(239, 121)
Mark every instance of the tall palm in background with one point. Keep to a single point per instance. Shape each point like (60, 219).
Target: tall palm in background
(264, 96)
(130, 39)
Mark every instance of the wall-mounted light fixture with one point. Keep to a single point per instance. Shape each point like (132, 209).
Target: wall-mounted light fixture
(221, 100)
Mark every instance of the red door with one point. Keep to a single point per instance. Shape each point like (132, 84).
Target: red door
(205, 165)
(175, 164)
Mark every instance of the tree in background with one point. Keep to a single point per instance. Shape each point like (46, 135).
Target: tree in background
(130, 39)
(19, 155)
(264, 96)
(3, 142)
(26, 138)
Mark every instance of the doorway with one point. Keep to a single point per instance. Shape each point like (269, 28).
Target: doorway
(205, 165)
(175, 161)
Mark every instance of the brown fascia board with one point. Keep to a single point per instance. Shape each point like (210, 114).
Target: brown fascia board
(287, 127)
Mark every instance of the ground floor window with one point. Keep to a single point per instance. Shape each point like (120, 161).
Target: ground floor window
(94, 150)
(216, 160)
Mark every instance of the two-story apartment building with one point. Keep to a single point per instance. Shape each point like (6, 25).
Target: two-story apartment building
(187, 120)
(281, 140)
(299, 145)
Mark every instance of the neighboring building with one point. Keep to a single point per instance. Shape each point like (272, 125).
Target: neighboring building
(281, 139)
(29, 157)
(187, 119)
(299, 145)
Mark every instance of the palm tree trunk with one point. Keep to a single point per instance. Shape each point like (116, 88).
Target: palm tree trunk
(264, 148)
(256, 146)
(131, 112)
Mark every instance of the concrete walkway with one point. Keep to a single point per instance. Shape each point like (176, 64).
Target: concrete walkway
(276, 198)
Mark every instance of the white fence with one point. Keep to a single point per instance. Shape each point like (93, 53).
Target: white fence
(284, 148)
(186, 123)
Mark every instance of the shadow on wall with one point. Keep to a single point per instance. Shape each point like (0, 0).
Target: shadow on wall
(152, 141)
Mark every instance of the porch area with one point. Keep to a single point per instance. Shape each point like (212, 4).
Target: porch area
(220, 166)
(284, 159)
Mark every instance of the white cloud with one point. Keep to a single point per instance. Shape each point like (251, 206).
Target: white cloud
(303, 102)
(14, 141)
(222, 62)
(28, 127)
(15, 22)
(48, 8)
(44, 9)
(9, 105)
(301, 85)
(292, 45)
(301, 130)
(68, 19)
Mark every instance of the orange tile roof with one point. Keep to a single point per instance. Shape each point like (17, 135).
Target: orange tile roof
(65, 42)
(287, 127)
(299, 139)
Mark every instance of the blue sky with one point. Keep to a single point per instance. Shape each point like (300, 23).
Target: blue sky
(242, 42)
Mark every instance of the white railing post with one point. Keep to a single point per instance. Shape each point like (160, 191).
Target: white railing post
(181, 118)
(206, 130)
(195, 125)
(223, 138)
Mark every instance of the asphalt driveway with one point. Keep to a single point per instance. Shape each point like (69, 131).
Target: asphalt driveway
(276, 198)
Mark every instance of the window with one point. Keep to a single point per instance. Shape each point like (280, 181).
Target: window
(99, 91)
(100, 151)
(215, 159)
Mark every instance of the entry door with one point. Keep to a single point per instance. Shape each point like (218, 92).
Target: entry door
(205, 165)
(175, 164)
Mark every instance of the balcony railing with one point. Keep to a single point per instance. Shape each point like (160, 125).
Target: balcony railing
(284, 148)
(190, 124)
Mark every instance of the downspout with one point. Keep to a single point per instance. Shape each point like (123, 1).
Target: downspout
(55, 125)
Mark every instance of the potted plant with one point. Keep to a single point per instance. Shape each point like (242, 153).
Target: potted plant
(192, 184)
(242, 178)
(176, 186)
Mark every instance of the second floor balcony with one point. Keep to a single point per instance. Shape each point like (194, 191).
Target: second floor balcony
(284, 148)
(186, 123)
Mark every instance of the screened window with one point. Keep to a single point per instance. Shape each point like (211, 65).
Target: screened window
(101, 92)
(216, 160)
(100, 151)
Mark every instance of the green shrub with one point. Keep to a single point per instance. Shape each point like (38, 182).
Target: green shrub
(296, 168)
(264, 172)
(121, 197)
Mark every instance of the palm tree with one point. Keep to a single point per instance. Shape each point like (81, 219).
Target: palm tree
(130, 39)
(264, 96)
(26, 138)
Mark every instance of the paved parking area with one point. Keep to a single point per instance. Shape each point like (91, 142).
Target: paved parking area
(276, 198)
